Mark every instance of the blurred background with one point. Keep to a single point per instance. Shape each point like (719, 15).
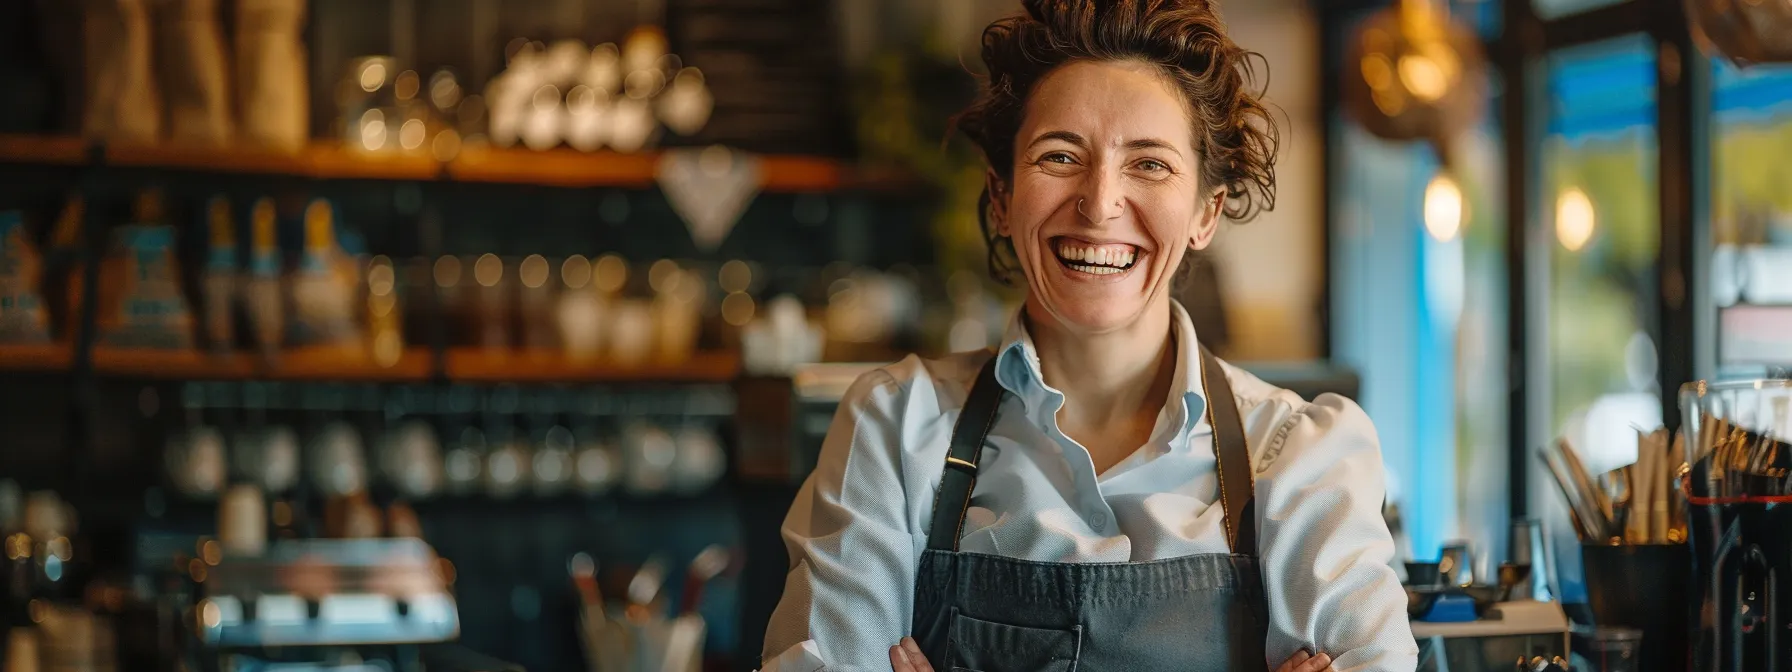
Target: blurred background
(567, 289)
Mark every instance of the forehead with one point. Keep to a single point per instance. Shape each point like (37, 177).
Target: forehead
(1108, 102)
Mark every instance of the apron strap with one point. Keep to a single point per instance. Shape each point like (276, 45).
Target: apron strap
(960, 478)
(1232, 456)
(1231, 453)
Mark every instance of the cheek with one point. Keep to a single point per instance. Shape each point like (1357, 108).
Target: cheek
(1170, 228)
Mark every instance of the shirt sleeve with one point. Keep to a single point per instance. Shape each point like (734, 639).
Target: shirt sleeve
(1324, 545)
(849, 595)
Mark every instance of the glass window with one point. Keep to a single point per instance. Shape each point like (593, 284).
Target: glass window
(1751, 218)
(1594, 273)
(1550, 9)
(1481, 15)
(1418, 297)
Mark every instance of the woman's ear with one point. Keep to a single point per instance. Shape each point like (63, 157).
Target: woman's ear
(998, 202)
(1207, 222)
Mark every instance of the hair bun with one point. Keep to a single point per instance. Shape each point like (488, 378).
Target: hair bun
(1036, 9)
(1045, 11)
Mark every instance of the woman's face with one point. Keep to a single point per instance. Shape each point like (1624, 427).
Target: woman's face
(1106, 196)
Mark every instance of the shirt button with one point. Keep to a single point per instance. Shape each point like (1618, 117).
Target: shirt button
(1098, 520)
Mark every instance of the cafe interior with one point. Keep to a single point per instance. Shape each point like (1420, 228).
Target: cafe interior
(467, 335)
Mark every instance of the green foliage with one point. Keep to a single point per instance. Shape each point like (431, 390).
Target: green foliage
(906, 100)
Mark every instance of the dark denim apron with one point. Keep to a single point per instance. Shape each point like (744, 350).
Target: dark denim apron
(986, 613)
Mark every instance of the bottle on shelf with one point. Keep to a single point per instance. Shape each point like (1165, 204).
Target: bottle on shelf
(262, 294)
(141, 302)
(22, 317)
(323, 288)
(219, 281)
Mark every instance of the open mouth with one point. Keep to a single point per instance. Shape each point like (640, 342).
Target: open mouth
(1094, 259)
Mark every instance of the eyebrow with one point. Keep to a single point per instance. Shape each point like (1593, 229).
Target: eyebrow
(1078, 140)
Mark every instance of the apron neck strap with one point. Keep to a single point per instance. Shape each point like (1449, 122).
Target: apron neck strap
(960, 478)
(1231, 453)
(1232, 457)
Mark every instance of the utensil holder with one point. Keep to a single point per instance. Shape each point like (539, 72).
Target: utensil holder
(1644, 587)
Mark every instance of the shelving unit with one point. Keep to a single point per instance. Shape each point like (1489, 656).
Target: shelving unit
(326, 160)
(415, 365)
(477, 365)
(48, 357)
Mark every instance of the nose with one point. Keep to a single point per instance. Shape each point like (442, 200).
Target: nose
(1101, 201)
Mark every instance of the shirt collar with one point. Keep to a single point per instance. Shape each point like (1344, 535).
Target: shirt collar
(1017, 370)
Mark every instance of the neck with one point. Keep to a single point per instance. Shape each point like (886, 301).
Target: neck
(1108, 379)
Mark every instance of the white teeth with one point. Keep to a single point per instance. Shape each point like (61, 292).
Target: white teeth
(1097, 260)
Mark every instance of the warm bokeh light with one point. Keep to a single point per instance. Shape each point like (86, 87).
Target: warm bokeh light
(381, 279)
(488, 270)
(373, 76)
(737, 309)
(209, 614)
(533, 271)
(1443, 208)
(446, 146)
(1424, 77)
(735, 276)
(1574, 219)
(411, 134)
(663, 275)
(405, 87)
(575, 272)
(447, 271)
(612, 274)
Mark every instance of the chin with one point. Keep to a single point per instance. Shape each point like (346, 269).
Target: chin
(1097, 317)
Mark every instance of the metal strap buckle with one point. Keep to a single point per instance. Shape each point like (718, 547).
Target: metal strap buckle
(967, 467)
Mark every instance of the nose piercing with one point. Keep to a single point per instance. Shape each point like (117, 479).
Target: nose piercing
(1118, 205)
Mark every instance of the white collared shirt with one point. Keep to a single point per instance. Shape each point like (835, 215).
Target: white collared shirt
(858, 526)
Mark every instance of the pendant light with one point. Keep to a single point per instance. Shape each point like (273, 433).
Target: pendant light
(1744, 31)
(1413, 74)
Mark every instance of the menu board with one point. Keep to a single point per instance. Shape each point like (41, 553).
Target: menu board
(773, 68)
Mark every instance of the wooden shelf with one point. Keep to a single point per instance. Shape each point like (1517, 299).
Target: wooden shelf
(413, 365)
(55, 150)
(480, 365)
(471, 365)
(328, 160)
(296, 365)
(46, 357)
(179, 364)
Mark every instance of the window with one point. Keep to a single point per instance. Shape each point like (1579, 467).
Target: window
(1751, 218)
(1419, 309)
(1550, 9)
(1593, 279)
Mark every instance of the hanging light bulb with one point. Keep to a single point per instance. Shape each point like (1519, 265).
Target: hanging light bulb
(1574, 219)
(1417, 74)
(1443, 208)
(1747, 32)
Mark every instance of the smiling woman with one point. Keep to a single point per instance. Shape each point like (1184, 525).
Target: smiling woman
(1101, 492)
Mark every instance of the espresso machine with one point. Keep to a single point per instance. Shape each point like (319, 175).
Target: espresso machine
(1739, 505)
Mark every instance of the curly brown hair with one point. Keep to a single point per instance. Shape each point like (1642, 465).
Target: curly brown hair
(1232, 131)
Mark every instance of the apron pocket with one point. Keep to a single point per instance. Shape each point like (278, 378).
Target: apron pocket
(977, 645)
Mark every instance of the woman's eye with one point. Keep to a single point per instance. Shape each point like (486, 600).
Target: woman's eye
(1152, 166)
(1057, 157)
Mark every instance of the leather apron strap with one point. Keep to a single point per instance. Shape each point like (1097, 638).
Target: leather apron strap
(1231, 453)
(960, 478)
(1238, 488)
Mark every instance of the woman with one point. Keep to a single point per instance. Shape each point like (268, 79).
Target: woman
(1101, 493)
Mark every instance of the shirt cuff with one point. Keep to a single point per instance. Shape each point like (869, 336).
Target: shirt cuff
(803, 657)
